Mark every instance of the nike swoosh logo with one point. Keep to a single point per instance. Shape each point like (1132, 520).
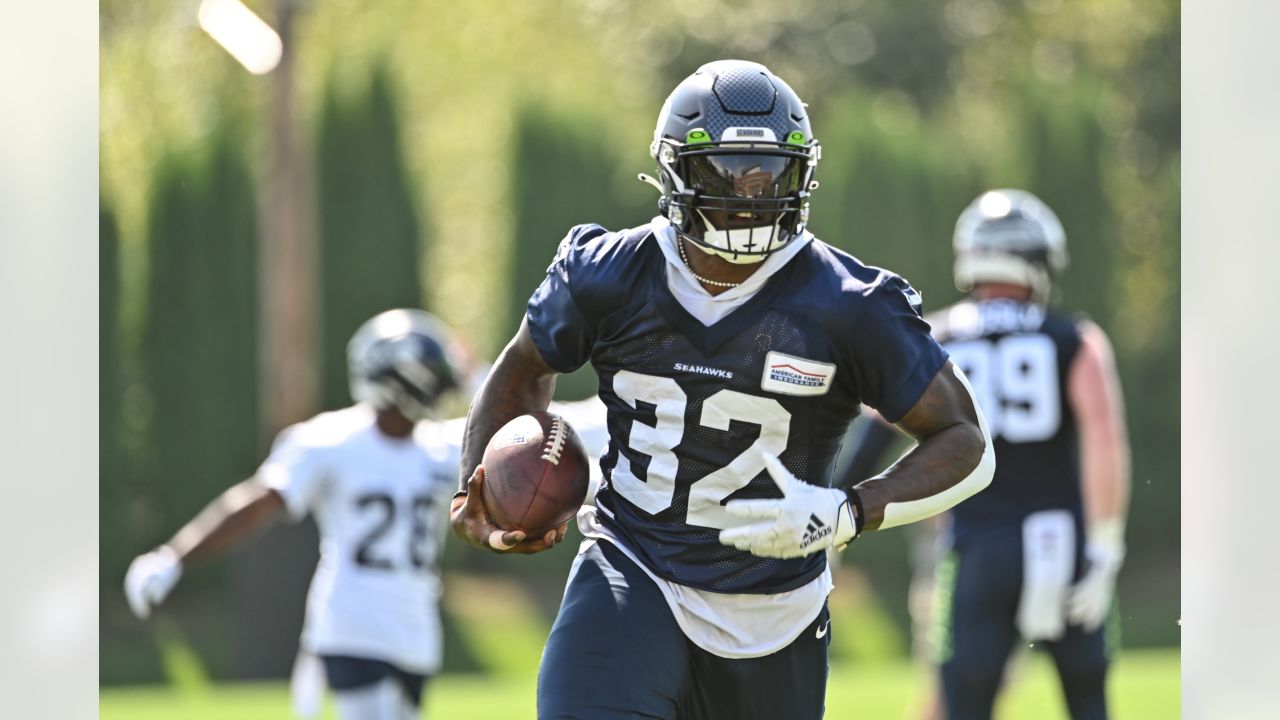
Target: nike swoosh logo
(822, 630)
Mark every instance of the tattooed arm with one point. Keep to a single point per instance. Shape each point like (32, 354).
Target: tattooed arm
(952, 460)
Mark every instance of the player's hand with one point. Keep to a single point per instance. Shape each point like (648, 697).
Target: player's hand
(1090, 599)
(471, 523)
(807, 519)
(150, 579)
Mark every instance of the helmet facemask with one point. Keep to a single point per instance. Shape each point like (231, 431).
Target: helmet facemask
(1004, 267)
(738, 201)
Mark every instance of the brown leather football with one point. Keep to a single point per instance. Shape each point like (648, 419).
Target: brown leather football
(535, 473)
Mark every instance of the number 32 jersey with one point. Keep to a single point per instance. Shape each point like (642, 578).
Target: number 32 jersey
(1017, 356)
(693, 409)
(381, 505)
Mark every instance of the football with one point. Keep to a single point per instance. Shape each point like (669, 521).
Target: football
(535, 473)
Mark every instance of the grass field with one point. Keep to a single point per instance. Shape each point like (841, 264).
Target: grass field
(1144, 686)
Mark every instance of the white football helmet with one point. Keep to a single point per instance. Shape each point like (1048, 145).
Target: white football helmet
(404, 359)
(1009, 236)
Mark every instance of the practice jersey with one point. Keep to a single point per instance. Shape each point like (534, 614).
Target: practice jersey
(693, 408)
(381, 505)
(1017, 356)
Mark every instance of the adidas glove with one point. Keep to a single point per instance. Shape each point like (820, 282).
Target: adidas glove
(805, 520)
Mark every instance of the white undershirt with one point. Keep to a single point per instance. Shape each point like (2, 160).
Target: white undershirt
(724, 624)
(690, 293)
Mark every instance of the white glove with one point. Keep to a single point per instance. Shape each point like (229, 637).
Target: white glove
(151, 578)
(807, 519)
(1090, 599)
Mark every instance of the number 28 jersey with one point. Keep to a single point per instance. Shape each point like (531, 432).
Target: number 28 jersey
(693, 409)
(381, 505)
(1017, 356)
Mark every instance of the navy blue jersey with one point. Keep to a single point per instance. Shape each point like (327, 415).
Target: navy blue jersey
(1017, 356)
(693, 409)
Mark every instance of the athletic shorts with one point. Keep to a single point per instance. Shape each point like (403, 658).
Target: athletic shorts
(616, 651)
(350, 673)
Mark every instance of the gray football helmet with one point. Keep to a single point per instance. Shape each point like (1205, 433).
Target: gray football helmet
(404, 359)
(736, 160)
(1009, 236)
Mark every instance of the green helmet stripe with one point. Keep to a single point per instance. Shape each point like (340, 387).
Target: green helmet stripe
(697, 135)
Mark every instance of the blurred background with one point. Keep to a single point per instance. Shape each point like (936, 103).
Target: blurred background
(256, 208)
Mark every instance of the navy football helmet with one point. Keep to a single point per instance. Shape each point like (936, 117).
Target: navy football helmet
(736, 160)
(1009, 236)
(404, 359)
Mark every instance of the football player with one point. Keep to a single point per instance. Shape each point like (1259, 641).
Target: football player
(376, 477)
(733, 349)
(1035, 555)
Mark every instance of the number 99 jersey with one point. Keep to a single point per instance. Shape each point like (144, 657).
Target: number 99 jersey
(381, 505)
(1017, 356)
(693, 409)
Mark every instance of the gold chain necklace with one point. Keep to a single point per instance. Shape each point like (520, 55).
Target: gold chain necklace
(714, 283)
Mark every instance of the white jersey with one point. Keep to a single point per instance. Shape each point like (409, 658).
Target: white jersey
(382, 506)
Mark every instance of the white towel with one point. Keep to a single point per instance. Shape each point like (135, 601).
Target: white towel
(1048, 558)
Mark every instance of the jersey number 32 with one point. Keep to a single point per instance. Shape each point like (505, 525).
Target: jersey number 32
(659, 440)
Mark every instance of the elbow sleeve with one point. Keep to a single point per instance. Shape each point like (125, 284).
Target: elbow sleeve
(908, 512)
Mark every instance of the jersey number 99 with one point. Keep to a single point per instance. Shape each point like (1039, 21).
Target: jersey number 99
(1016, 381)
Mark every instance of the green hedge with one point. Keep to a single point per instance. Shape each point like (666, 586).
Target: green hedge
(563, 175)
(370, 234)
(200, 346)
(113, 495)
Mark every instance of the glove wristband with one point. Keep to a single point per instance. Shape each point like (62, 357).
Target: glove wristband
(1105, 542)
(859, 517)
(170, 557)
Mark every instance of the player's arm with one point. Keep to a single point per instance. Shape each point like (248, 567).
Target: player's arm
(520, 382)
(233, 516)
(1093, 389)
(952, 460)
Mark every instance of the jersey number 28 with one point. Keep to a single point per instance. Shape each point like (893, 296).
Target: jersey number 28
(373, 553)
